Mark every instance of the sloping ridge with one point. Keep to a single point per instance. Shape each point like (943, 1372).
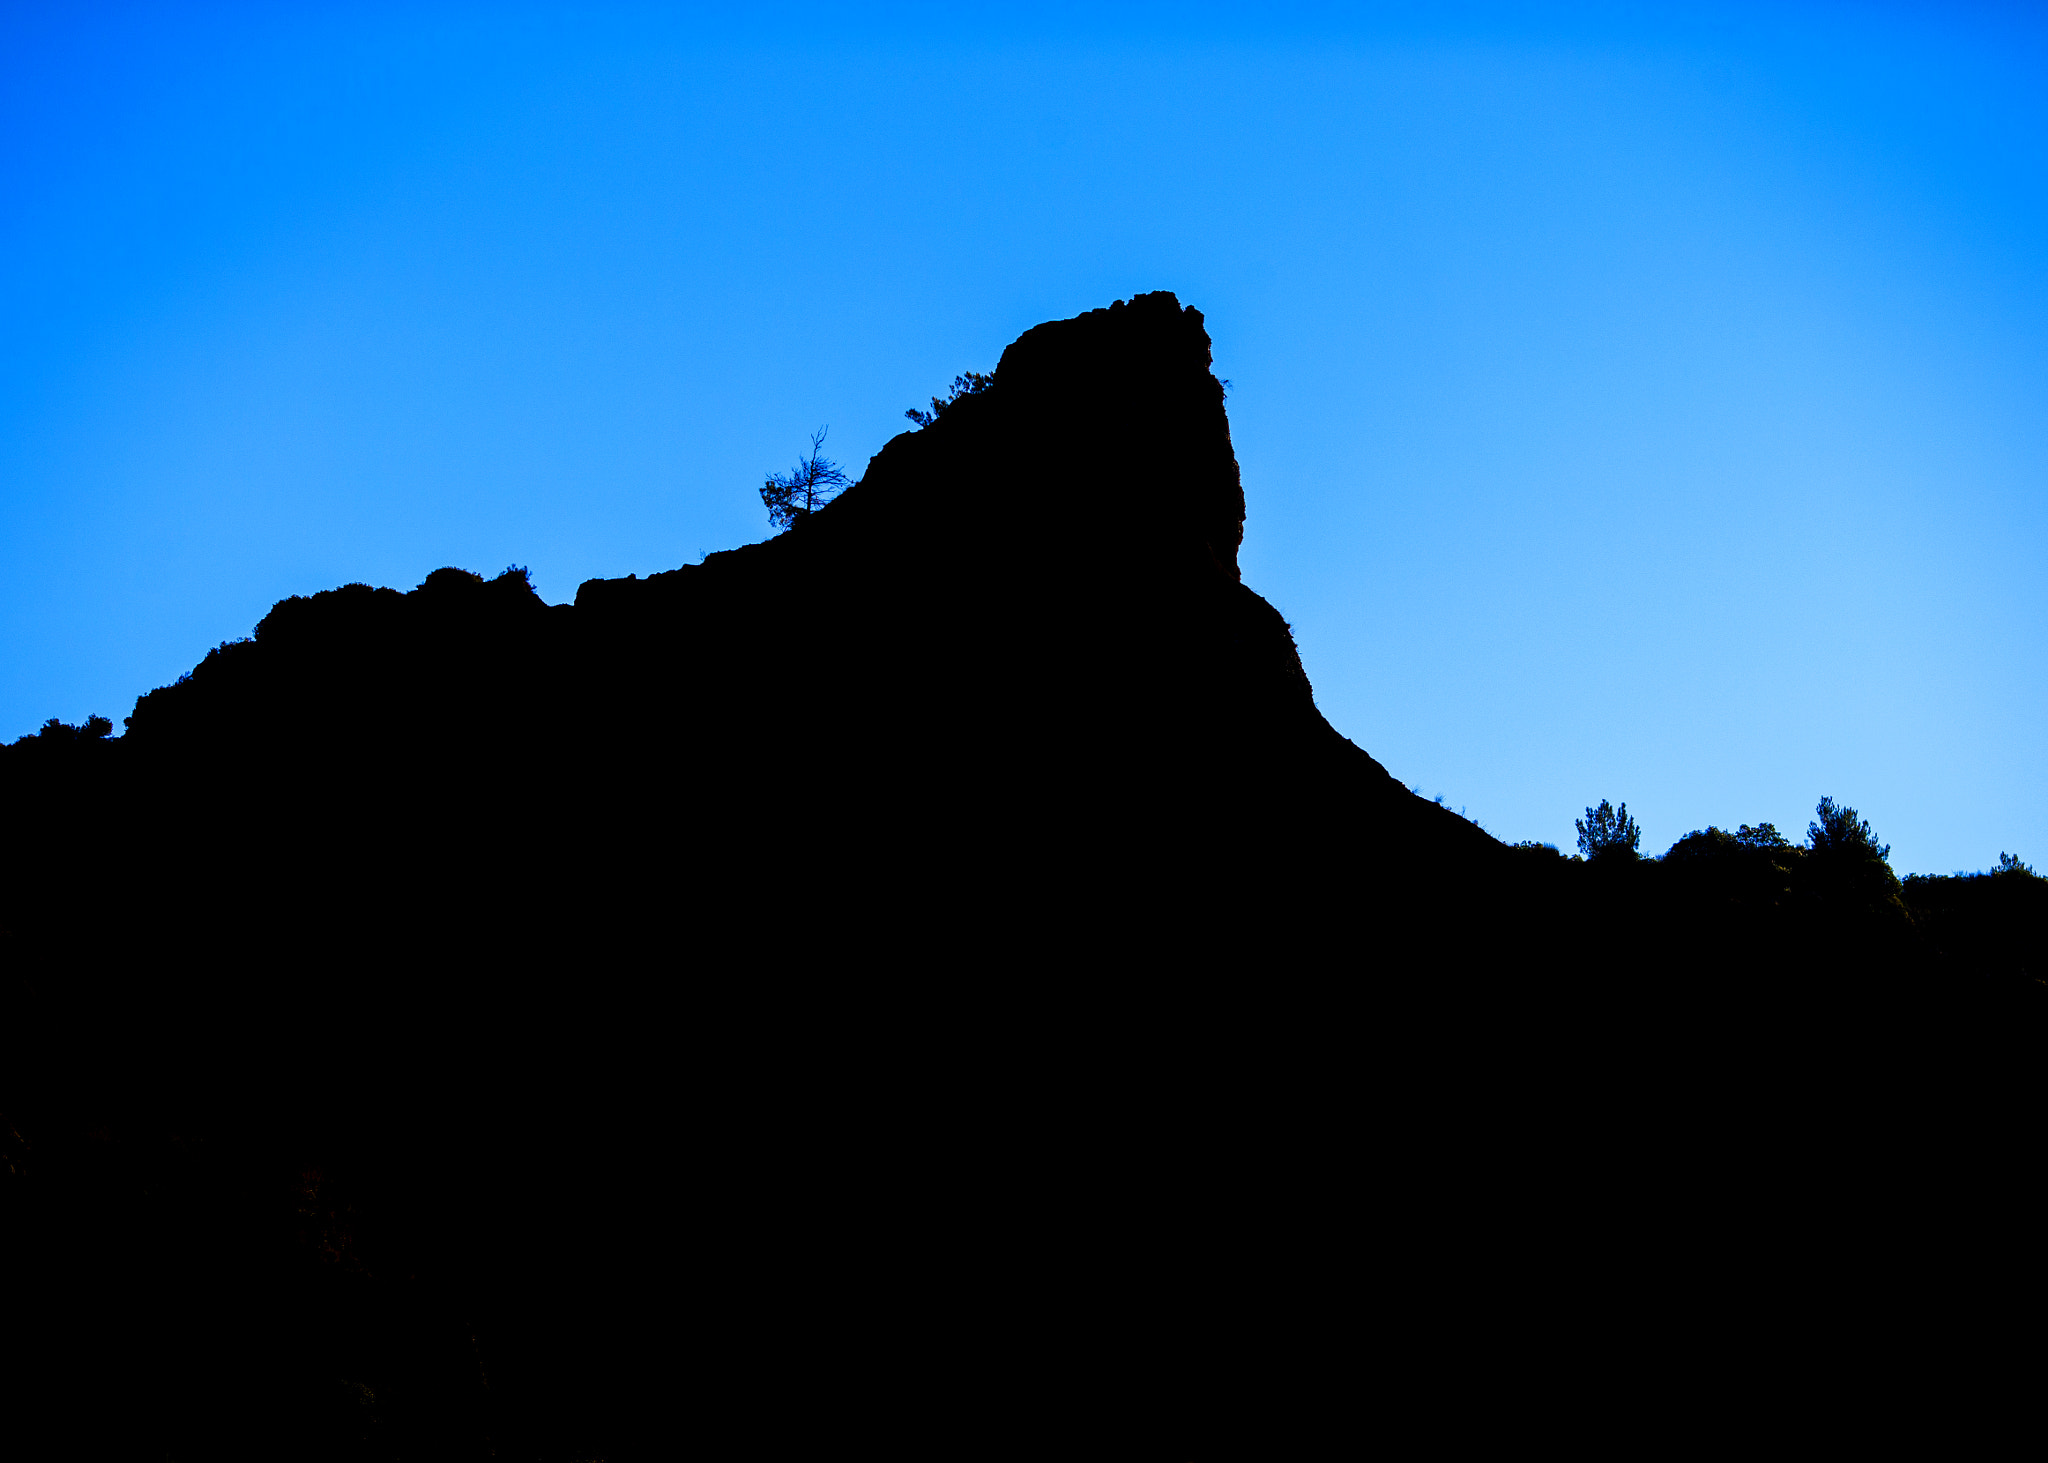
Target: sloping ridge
(1014, 667)
(1034, 604)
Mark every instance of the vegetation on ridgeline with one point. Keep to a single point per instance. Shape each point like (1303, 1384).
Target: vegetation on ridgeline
(967, 383)
(1607, 832)
(816, 480)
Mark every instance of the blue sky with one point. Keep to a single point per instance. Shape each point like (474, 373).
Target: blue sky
(1650, 411)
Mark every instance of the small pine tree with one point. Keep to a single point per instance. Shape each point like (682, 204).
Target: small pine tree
(1608, 832)
(970, 383)
(1839, 831)
(792, 497)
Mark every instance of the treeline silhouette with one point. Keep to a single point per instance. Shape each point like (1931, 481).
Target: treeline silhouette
(933, 974)
(1756, 884)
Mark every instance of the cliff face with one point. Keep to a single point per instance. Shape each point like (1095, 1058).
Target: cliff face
(1030, 608)
(1013, 666)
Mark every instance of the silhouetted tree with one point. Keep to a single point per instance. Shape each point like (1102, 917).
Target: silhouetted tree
(1608, 832)
(1847, 867)
(970, 383)
(794, 496)
(1839, 832)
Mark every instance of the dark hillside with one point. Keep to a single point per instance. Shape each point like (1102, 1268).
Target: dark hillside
(936, 958)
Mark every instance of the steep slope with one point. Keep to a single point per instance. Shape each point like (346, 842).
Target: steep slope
(1014, 669)
(1032, 605)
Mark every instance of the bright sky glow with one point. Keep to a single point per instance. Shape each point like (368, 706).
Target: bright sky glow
(1628, 410)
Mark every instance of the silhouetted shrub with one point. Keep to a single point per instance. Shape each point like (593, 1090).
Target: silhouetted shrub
(1994, 923)
(1535, 857)
(1726, 877)
(1701, 843)
(450, 581)
(1716, 842)
(58, 742)
(55, 733)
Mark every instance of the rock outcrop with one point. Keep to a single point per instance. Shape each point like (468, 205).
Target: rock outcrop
(1010, 680)
(888, 858)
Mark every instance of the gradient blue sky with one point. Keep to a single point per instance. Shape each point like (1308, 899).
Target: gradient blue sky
(1628, 409)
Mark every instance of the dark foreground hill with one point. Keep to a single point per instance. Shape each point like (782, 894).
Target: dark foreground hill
(914, 982)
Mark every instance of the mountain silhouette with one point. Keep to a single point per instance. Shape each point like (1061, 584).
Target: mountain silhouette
(1014, 666)
(937, 955)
